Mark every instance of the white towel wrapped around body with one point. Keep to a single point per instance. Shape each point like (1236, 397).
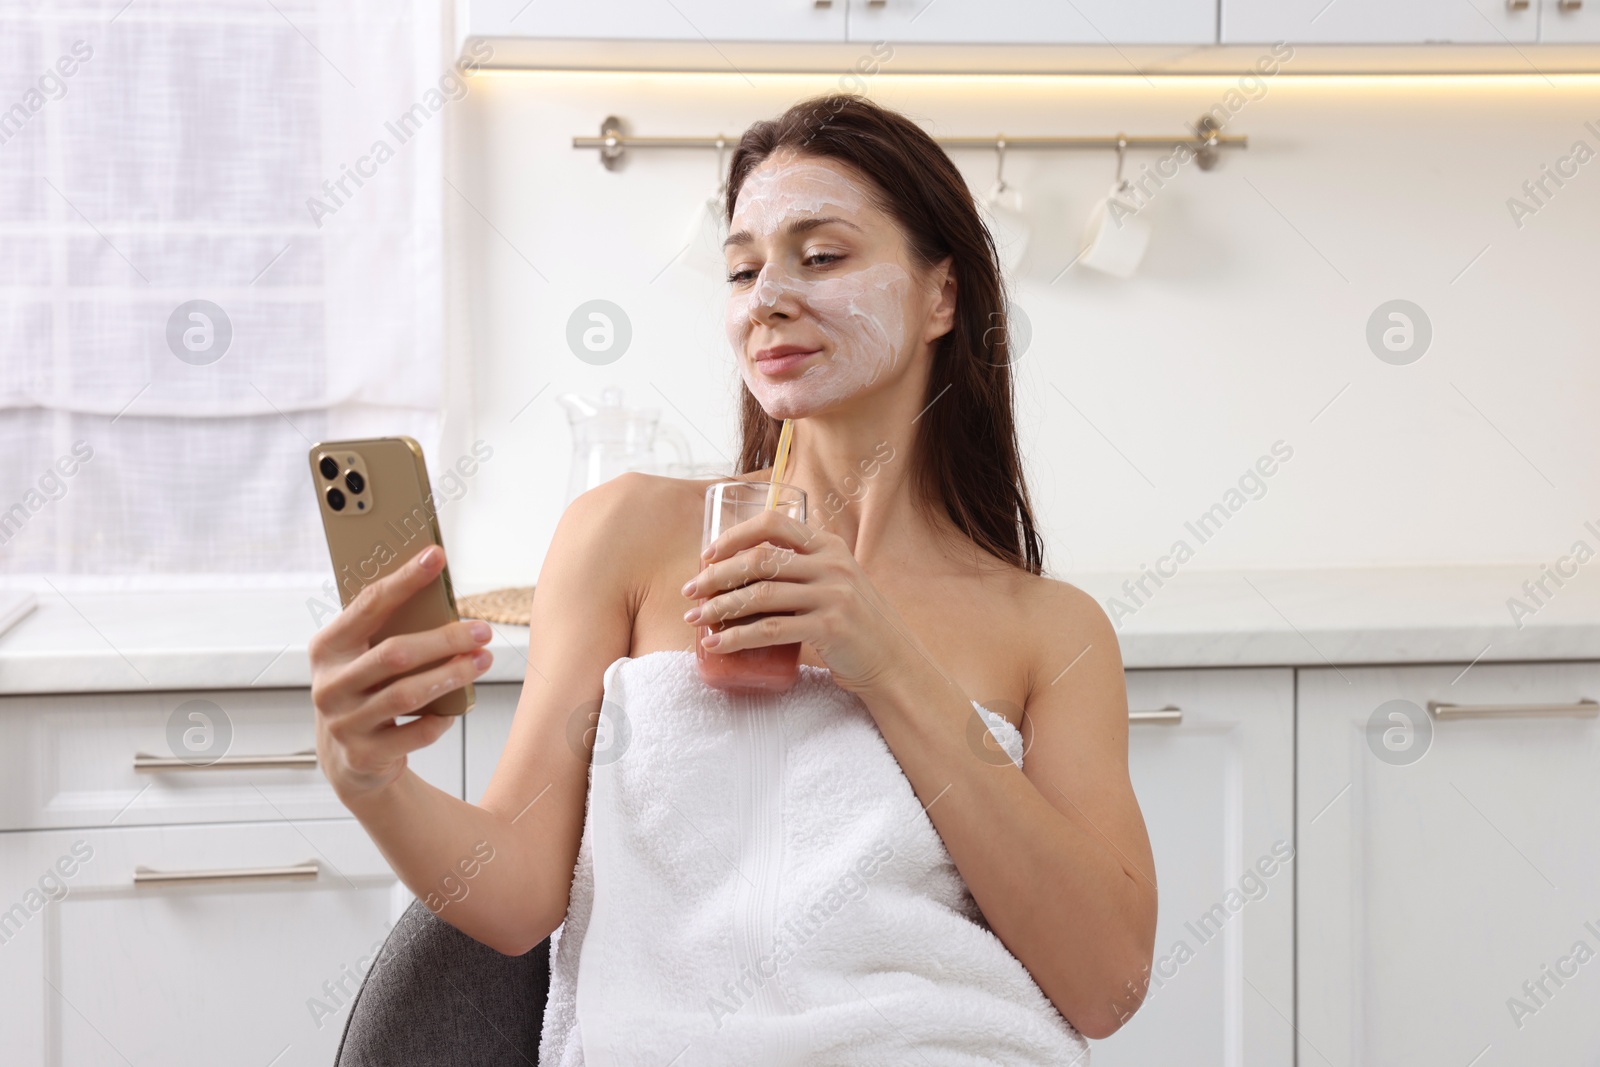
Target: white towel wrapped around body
(757, 884)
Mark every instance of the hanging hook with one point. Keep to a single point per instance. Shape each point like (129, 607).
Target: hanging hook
(1122, 147)
(722, 177)
(1000, 164)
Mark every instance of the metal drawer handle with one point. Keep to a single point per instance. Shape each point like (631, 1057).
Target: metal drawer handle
(1584, 708)
(1569, 5)
(306, 759)
(1517, 5)
(146, 876)
(1171, 715)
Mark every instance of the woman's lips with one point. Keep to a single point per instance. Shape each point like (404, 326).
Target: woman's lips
(775, 365)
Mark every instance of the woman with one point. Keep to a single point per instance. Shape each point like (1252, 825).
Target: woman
(864, 302)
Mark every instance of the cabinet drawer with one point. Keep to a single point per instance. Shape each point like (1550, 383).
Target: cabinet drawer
(69, 759)
(1448, 819)
(258, 969)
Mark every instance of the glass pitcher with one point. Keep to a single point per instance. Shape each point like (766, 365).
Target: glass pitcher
(608, 438)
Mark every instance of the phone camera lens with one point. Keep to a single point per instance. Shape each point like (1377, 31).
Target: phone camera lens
(329, 467)
(354, 482)
(335, 498)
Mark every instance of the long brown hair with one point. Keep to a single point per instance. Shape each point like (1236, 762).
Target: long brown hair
(968, 458)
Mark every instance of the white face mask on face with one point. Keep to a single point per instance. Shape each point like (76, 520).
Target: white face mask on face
(860, 313)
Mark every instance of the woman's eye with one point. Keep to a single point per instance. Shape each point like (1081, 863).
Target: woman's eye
(820, 259)
(737, 276)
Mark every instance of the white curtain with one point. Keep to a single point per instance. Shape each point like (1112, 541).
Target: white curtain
(220, 242)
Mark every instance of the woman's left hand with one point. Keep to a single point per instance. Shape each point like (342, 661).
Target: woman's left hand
(836, 609)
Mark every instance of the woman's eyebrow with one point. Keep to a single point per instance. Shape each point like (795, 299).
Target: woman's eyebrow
(798, 226)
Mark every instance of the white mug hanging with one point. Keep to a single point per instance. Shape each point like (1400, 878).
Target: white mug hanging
(1001, 208)
(1118, 233)
(709, 228)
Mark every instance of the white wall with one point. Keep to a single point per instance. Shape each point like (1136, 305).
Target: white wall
(1248, 317)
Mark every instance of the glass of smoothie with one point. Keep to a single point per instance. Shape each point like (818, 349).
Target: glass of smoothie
(772, 668)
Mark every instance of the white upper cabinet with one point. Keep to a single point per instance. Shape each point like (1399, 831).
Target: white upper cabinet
(1449, 891)
(1379, 21)
(656, 20)
(1569, 23)
(1035, 21)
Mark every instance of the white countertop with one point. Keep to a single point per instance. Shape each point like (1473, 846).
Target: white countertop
(227, 639)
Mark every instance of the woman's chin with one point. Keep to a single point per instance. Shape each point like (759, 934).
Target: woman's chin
(787, 407)
(797, 400)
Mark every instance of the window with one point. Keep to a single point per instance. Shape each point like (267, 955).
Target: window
(219, 243)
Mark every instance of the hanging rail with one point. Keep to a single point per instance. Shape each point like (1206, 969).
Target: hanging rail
(1205, 141)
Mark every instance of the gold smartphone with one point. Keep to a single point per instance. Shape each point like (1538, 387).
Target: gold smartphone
(378, 512)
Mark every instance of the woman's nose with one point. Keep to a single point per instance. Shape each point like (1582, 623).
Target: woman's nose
(773, 292)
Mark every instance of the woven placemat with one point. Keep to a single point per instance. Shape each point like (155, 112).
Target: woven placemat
(511, 606)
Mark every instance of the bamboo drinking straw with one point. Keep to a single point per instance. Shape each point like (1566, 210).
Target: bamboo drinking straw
(785, 436)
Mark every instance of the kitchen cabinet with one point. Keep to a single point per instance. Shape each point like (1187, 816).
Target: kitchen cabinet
(1449, 880)
(1216, 789)
(257, 969)
(1378, 21)
(73, 759)
(652, 20)
(488, 726)
(1569, 23)
(1035, 22)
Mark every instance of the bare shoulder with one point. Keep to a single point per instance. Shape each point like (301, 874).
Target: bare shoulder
(630, 516)
(1063, 607)
(634, 524)
(1074, 642)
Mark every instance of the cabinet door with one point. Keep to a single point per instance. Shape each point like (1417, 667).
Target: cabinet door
(1035, 21)
(1217, 792)
(254, 970)
(1446, 860)
(487, 730)
(653, 20)
(1377, 21)
(1579, 24)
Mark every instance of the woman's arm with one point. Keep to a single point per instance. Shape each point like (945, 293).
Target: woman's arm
(500, 871)
(1056, 855)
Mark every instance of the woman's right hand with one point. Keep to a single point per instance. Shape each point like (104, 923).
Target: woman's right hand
(357, 695)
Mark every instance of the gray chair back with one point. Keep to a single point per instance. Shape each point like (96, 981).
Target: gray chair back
(434, 997)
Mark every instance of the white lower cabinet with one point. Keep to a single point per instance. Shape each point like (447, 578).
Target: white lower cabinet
(1399, 864)
(97, 970)
(1215, 783)
(488, 726)
(1449, 907)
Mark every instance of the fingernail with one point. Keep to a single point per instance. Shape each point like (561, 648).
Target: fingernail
(711, 639)
(705, 553)
(691, 615)
(688, 588)
(430, 556)
(482, 658)
(480, 631)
